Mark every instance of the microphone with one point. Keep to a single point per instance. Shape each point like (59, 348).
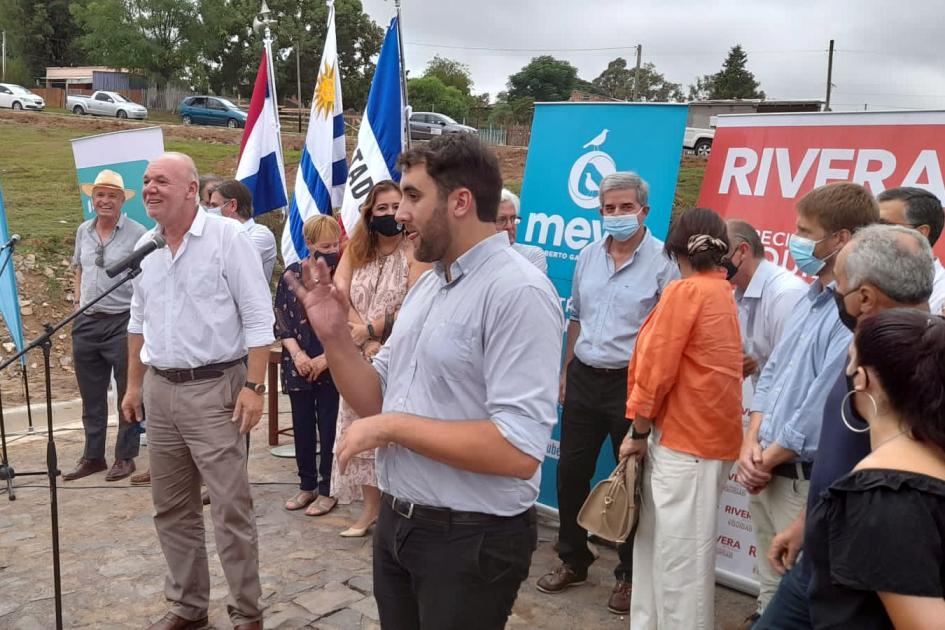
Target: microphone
(132, 260)
(13, 241)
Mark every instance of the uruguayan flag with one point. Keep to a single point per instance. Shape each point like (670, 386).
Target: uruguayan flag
(381, 137)
(260, 164)
(319, 183)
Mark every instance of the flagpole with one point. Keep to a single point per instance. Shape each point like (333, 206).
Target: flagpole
(403, 72)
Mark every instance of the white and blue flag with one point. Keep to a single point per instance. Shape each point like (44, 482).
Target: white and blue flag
(381, 137)
(260, 165)
(320, 181)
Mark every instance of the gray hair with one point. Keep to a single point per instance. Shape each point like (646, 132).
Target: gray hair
(626, 180)
(511, 197)
(746, 232)
(894, 259)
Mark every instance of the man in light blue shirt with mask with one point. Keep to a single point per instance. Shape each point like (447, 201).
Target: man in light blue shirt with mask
(787, 410)
(617, 282)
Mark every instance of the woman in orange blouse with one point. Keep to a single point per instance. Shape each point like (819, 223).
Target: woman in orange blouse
(685, 386)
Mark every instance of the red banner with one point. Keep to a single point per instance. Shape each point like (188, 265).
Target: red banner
(762, 164)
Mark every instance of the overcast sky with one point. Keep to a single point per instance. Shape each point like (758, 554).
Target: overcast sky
(889, 54)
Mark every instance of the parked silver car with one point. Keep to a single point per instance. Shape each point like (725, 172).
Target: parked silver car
(426, 125)
(18, 97)
(103, 103)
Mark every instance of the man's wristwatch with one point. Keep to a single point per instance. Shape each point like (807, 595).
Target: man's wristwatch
(259, 388)
(635, 435)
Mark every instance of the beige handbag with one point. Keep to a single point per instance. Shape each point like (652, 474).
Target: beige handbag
(610, 511)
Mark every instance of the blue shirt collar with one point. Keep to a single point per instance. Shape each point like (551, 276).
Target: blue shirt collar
(473, 258)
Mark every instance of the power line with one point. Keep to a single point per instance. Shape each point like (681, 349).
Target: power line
(608, 49)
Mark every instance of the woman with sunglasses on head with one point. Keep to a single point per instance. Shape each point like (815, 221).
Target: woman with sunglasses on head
(376, 270)
(878, 550)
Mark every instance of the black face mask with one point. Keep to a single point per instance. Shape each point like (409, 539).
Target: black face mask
(330, 259)
(730, 268)
(845, 318)
(386, 225)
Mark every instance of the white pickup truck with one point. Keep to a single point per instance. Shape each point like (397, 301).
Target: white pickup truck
(699, 141)
(104, 103)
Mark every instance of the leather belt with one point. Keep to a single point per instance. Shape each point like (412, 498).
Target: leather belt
(597, 370)
(794, 470)
(184, 375)
(101, 315)
(447, 516)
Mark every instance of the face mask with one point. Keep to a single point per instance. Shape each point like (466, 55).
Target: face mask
(730, 268)
(210, 210)
(330, 259)
(802, 251)
(386, 225)
(845, 318)
(622, 227)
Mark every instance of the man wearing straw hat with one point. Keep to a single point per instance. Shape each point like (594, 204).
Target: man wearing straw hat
(99, 335)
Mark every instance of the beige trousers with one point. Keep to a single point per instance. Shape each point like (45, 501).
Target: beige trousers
(772, 510)
(191, 436)
(674, 549)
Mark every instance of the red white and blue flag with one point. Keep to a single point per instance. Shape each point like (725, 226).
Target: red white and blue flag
(260, 164)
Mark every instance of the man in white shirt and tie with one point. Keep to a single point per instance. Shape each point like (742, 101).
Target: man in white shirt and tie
(765, 293)
(198, 305)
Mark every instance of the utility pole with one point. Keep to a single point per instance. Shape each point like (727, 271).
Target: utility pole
(636, 73)
(4, 76)
(829, 76)
(298, 77)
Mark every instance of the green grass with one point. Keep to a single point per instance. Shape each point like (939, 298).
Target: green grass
(40, 187)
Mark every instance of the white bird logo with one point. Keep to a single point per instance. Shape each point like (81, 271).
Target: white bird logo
(589, 183)
(598, 140)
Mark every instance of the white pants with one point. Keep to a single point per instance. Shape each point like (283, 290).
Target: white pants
(674, 549)
(772, 510)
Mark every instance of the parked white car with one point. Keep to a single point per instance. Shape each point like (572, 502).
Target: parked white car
(104, 103)
(699, 141)
(18, 97)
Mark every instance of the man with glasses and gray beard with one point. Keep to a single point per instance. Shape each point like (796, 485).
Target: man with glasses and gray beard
(99, 335)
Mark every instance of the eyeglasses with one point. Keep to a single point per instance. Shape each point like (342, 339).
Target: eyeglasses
(100, 256)
(906, 225)
(508, 221)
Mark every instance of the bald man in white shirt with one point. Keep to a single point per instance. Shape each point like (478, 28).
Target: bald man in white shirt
(198, 305)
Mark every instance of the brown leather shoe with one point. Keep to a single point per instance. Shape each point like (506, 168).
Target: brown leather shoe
(253, 625)
(141, 479)
(560, 579)
(84, 468)
(619, 602)
(120, 469)
(170, 621)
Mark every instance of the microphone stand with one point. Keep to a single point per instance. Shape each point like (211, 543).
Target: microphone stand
(7, 473)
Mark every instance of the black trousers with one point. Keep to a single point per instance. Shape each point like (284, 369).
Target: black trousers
(595, 405)
(432, 576)
(98, 347)
(314, 415)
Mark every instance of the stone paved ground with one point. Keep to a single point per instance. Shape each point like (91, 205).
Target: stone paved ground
(112, 567)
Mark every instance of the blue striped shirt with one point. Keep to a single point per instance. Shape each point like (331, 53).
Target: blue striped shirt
(794, 384)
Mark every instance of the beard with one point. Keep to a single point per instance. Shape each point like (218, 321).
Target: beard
(435, 237)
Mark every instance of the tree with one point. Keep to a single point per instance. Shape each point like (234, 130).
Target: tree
(732, 81)
(430, 94)
(154, 37)
(617, 82)
(543, 79)
(40, 34)
(451, 73)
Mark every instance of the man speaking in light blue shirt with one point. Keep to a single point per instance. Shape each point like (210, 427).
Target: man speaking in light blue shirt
(459, 403)
(788, 406)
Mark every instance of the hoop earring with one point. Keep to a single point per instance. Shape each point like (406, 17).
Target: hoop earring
(843, 415)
